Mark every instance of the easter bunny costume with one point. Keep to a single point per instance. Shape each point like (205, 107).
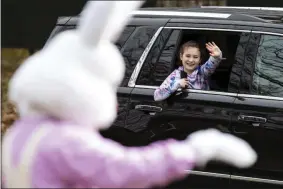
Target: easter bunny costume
(56, 143)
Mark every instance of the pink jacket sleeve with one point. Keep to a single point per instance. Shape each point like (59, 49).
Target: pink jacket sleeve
(168, 87)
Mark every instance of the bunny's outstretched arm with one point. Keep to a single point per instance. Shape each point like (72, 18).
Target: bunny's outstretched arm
(90, 160)
(100, 162)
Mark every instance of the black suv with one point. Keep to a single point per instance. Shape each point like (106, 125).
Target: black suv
(246, 96)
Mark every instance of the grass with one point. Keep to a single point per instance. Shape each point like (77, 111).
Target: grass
(10, 61)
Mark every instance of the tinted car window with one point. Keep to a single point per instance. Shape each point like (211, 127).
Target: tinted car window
(124, 36)
(268, 70)
(158, 65)
(134, 47)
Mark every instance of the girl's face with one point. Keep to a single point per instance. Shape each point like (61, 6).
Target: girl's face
(190, 59)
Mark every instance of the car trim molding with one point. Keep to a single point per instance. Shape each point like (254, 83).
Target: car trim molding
(209, 29)
(138, 67)
(259, 180)
(208, 174)
(268, 33)
(181, 14)
(234, 177)
(254, 8)
(260, 97)
(192, 91)
(219, 93)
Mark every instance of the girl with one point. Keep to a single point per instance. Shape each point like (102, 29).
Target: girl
(196, 75)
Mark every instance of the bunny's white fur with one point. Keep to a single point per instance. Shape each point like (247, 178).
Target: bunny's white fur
(223, 147)
(76, 75)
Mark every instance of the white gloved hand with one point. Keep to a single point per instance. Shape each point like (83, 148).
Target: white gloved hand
(211, 144)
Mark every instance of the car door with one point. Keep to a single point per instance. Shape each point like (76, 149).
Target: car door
(258, 112)
(190, 111)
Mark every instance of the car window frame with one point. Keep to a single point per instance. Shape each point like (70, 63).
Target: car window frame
(164, 42)
(135, 74)
(256, 96)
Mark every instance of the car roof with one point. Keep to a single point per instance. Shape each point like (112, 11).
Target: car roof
(256, 16)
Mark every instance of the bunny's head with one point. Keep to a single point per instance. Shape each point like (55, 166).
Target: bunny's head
(76, 75)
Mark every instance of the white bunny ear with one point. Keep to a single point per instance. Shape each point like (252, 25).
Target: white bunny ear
(93, 19)
(105, 20)
(119, 18)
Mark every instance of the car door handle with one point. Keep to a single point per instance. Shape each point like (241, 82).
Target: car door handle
(253, 119)
(148, 108)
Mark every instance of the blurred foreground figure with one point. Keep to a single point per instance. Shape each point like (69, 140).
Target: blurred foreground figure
(57, 91)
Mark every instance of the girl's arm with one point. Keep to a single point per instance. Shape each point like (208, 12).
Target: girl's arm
(210, 66)
(215, 58)
(169, 86)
